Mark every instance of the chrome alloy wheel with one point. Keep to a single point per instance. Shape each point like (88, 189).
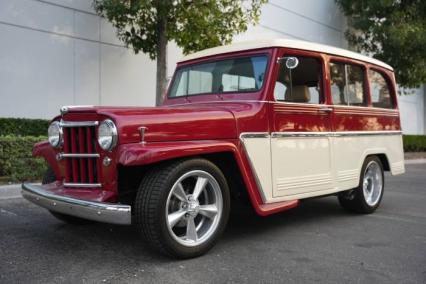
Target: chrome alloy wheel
(194, 208)
(372, 185)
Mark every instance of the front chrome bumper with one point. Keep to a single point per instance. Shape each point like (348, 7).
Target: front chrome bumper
(96, 211)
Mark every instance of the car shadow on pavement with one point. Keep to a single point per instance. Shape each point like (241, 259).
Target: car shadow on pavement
(124, 241)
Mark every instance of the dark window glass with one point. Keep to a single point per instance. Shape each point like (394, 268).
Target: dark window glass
(347, 84)
(243, 74)
(379, 90)
(301, 84)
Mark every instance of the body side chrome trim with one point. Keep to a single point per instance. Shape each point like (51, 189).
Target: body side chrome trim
(333, 134)
(254, 135)
(316, 134)
(96, 211)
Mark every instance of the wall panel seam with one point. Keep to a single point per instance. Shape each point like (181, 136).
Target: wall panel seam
(306, 17)
(59, 34)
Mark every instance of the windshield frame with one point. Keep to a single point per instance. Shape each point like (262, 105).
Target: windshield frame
(222, 57)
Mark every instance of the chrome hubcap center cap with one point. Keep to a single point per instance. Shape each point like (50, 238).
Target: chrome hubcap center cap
(193, 207)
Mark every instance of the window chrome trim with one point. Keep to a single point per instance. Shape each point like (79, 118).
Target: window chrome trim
(78, 123)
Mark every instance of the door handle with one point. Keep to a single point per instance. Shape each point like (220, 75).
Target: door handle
(326, 109)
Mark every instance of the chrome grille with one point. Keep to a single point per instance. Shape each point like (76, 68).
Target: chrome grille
(80, 153)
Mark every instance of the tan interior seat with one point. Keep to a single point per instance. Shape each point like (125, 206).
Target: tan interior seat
(299, 94)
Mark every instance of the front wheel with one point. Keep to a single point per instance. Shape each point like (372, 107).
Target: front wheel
(367, 196)
(182, 208)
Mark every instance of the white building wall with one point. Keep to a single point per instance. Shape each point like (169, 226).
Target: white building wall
(412, 107)
(59, 52)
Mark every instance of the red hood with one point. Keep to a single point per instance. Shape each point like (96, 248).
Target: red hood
(167, 123)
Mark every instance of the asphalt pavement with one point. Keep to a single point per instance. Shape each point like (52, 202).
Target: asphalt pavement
(316, 242)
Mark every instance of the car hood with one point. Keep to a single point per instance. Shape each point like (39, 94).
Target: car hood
(166, 123)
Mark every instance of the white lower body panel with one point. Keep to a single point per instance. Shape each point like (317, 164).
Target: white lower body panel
(292, 166)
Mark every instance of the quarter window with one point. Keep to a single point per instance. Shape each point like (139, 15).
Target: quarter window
(379, 90)
(347, 84)
(301, 84)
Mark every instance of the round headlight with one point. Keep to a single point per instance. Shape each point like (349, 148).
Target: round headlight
(107, 135)
(54, 134)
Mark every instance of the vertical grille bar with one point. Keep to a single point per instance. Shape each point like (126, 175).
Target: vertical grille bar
(90, 150)
(82, 149)
(74, 161)
(67, 150)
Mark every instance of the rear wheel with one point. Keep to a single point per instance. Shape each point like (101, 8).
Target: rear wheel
(182, 208)
(367, 196)
(49, 177)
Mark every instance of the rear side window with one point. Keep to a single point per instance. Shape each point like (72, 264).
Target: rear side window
(379, 90)
(347, 84)
(301, 84)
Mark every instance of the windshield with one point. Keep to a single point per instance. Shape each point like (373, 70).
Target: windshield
(242, 74)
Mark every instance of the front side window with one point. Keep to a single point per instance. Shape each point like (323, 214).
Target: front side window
(347, 84)
(244, 74)
(300, 84)
(379, 90)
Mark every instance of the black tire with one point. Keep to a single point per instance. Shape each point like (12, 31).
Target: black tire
(150, 207)
(354, 200)
(49, 177)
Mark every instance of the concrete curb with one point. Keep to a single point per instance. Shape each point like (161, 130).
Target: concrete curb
(10, 191)
(415, 161)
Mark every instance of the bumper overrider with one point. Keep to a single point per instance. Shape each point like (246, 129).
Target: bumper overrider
(97, 211)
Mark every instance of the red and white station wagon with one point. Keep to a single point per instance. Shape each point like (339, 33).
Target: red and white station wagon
(268, 122)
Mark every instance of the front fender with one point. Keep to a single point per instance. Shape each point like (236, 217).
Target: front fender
(137, 154)
(45, 150)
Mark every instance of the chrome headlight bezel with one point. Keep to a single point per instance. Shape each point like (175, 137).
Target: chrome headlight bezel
(55, 134)
(107, 135)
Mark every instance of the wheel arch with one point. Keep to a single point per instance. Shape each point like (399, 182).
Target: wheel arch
(383, 159)
(130, 176)
(133, 160)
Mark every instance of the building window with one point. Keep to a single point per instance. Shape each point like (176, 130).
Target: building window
(301, 84)
(379, 90)
(347, 84)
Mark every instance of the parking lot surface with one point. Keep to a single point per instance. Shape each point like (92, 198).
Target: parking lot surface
(316, 242)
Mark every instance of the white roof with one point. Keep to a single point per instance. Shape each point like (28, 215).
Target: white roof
(288, 43)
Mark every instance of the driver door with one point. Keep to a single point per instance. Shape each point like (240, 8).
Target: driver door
(301, 126)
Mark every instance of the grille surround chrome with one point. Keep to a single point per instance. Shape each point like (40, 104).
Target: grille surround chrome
(78, 123)
(81, 154)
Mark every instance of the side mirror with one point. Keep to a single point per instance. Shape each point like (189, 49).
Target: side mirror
(291, 62)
